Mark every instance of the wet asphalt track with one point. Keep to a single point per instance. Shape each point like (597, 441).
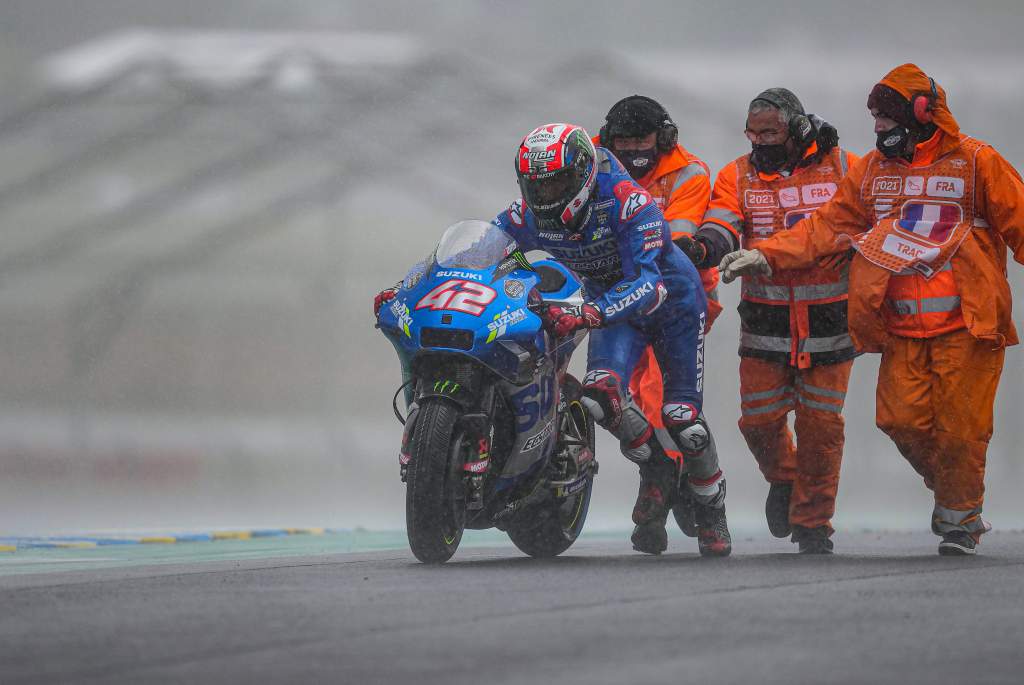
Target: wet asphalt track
(887, 610)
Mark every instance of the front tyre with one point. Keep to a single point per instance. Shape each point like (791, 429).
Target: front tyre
(435, 497)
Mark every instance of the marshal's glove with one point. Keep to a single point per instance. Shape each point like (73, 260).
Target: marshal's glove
(744, 263)
(694, 248)
(565, 320)
(384, 296)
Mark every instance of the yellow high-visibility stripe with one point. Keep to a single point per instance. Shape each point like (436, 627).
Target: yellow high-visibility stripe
(74, 545)
(232, 535)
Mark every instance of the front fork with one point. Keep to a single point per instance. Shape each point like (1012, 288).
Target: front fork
(405, 452)
(477, 429)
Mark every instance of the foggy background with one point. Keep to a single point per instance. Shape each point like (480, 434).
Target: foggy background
(198, 201)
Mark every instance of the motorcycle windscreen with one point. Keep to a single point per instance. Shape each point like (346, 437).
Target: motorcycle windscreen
(473, 244)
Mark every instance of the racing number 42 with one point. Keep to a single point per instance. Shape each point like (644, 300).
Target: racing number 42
(460, 296)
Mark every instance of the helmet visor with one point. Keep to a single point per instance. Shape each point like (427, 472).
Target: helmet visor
(549, 196)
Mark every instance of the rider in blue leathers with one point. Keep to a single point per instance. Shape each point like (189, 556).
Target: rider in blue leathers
(582, 207)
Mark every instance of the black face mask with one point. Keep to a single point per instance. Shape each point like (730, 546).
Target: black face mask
(892, 143)
(638, 162)
(769, 158)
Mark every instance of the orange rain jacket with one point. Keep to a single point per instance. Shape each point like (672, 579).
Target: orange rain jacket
(681, 187)
(793, 317)
(978, 266)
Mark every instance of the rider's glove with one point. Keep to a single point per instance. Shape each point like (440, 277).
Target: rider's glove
(744, 263)
(383, 296)
(694, 248)
(565, 320)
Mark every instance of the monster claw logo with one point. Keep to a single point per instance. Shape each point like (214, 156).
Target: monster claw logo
(446, 387)
(581, 139)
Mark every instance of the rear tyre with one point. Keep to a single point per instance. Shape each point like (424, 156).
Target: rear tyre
(551, 526)
(435, 498)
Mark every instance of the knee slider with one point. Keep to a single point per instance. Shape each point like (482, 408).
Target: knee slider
(603, 397)
(692, 439)
(687, 428)
(614, 409)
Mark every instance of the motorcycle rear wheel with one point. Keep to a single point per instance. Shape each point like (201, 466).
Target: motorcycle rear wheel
(550, 527)
(435, 498)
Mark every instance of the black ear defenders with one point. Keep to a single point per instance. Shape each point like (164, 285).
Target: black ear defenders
(923, 104)
(667, 132)
(801, 129)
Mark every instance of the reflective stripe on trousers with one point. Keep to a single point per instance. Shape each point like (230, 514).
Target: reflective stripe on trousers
(769, 343)
(788, 398)
(945, 520)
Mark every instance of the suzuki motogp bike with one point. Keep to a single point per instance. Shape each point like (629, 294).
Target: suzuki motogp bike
(495, 433)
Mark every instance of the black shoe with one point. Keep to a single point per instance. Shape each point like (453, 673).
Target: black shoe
(815, 546)
(776, 509)
(683, 510)
(958, 543)
(713, 539)
(812, 540)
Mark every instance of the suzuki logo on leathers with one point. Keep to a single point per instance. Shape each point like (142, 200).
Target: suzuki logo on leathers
(586, 251)
(629, 299)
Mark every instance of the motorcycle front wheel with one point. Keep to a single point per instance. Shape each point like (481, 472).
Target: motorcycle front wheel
(435, 497)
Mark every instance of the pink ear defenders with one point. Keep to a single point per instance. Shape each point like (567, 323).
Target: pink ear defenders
(923, 104)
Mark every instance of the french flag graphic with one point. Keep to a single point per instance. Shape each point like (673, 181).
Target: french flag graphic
(794, 217)
(934, 223)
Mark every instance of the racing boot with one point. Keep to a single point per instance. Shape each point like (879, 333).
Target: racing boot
(812, 540)
(776, 509)
(684, 509)
(657, 486)
(713, 539)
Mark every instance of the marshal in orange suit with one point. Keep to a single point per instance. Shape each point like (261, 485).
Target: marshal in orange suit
(932, 214)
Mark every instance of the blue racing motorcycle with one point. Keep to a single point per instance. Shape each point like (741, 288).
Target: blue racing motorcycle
(495, 433)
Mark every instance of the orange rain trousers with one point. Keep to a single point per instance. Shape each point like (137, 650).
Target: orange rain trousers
(768, 392)
(935, 400)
